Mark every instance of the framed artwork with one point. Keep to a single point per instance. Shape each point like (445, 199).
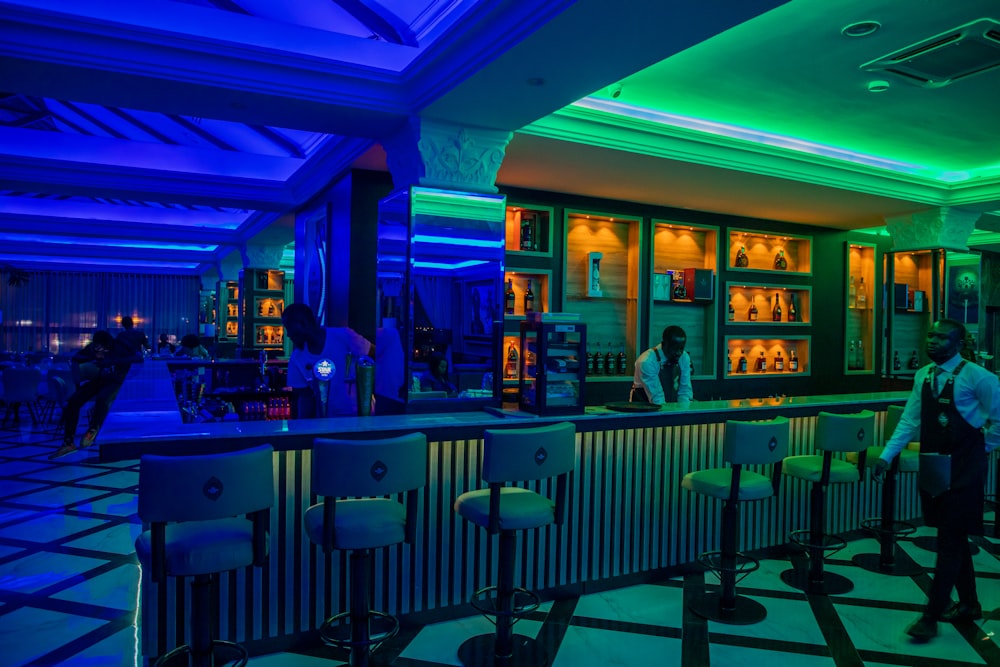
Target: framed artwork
(963, 293)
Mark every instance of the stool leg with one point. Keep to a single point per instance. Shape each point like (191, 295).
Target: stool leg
(887, 543)
(201, 621)
(505, 595)
(360, 604)
(817, 508)
(727, 557)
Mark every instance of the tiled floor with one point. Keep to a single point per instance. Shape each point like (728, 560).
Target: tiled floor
(68, 595)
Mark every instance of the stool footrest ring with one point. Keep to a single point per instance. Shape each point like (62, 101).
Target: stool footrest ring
(484, 601)
(186, 650)
(336, 630)
(829, 542)
(898, 528)
(743, 565)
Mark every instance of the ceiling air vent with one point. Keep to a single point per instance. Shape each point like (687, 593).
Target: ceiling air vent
(948, 57)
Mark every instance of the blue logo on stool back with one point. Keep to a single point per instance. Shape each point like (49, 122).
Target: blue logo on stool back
(212, 488)
(541, 455)
(379, 471)
(772, 444)
(861, 434)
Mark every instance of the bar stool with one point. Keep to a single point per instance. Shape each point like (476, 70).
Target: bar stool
(514, 455)
(833, 433)
(353, 477)
(207, 514)
(886, 528)
(744, 444)
(20, 387)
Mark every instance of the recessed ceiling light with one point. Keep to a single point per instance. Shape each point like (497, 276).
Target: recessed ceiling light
(878, 86)
(860, 28)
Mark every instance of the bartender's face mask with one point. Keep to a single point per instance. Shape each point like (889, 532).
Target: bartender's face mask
(674, 347)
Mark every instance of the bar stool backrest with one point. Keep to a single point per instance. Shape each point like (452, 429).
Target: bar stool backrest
(892, 416)
(20, 383)
(524, 454)
(366, 468)
(845, 433)
(755, 442)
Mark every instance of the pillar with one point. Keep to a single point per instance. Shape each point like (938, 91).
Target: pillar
(946, 227)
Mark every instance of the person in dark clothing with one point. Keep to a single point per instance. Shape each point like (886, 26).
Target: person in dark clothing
(954, 410)
(132, 338)
(436, 376)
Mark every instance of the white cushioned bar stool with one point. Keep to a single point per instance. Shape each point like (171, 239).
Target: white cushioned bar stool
(885, 527)
(833, 433)
(354, 478)
(744, 444)
(514, 455)
(207, 514)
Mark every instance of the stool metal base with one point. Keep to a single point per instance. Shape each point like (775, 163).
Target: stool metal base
(898, 567)
(745, 611)
(185, 655)
(832, 584)
(336, 630)
(480, 651)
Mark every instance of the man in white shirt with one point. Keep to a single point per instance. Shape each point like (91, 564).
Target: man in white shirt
(954, 411)
(663, 372)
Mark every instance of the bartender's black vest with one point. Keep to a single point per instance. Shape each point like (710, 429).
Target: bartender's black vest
(670, 377)
(943, 430)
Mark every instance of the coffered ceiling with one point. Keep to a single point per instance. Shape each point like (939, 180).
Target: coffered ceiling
(166, 135)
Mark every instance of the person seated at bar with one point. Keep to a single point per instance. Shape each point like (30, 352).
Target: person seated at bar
(192, 348)
(313, 342)
(435, 378)
(132, 338)
(165, 346)
(663, 372)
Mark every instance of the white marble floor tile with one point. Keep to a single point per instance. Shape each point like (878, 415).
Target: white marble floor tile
(591, 647)
(65, 473)
(120, 479)
(49, 526)
(10, 489)
(651, 605)
(723, 655)
(7, 551)
(921, 556)
(117, 589)
(119, 539)
(877, 586)
(121, 504)
(8, 514)
(56, 497)
(787, 620)
(27, 634)
(287, 660)
(874, 629)
(119, 650)
(440, 642)
(42, 569)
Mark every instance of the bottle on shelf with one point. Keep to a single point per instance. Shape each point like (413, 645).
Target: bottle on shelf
(860, 351)
(741, 365)
(509, 298)
(729, 363)
(610, 367)
(529, 300)
(732, 311)
(598, 361)
(510, 370)
(260, 308)
(780, 263)
(752, 314)
(779, 362)
(896, 363)
(761, 363)
(914, 361)
(793, 361)
(776, 310)
(852, 294)
(622, 360)
(862, 299)
(270, 308)
(527, 232)
(793, 312)
(591, 364)
(742, 260)
(852, 357)
(679, 289)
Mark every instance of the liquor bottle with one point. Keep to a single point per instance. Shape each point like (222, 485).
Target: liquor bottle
(752, 315)
(527, 232)
(742, 363)
(270, 308)
(622, 361)
(914, 361)
(742, 260)
(793, 312)
(732, 311)
(780, 263)
(776, 311)
(793, 361)
(896, 363)
(529, 300)
(591, 364)
(860, 350)
(852, 357)
(610, 365)
(729, 364)
(862, 299)
(779, 362)
(260, 308)
(599, 361)
(510, 298)
(762, 363)
(852, 294)
(511, 369)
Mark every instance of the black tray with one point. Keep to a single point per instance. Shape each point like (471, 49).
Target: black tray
(626, 406)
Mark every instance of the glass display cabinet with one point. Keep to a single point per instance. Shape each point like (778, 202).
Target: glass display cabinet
(552, 369)
(914, 298)
(440, 296)
(262, 293)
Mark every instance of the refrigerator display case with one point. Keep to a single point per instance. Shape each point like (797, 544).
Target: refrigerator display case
(553, 367)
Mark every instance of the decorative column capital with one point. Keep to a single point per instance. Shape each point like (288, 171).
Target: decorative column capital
(261, 256)
(946, 227)
(448, 156)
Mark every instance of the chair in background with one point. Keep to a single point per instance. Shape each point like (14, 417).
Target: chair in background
(514, 455)
(54, 398)
(206, 514)
(20, 388)
(353, 477)
(833, 433)
(886, 528)
(744, 444)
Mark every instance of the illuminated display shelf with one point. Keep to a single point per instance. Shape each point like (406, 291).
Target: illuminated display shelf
(742, 294)
(262, 290)
(540, 289)
(528, 230)
(906, 274)
(229, 310)
(762, 251)
(859, 320)
(676, 247)
(737, 346)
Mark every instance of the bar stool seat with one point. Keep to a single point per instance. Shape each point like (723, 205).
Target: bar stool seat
(833, 433)
(353, 477)
(745, 443)
(514, 455)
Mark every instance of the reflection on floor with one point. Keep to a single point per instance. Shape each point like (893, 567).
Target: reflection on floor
(68, 594)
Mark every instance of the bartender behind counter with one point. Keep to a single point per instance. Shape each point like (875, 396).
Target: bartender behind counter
(663, 372)
(312, 343)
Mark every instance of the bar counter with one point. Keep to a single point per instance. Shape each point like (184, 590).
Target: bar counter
(627, 515)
